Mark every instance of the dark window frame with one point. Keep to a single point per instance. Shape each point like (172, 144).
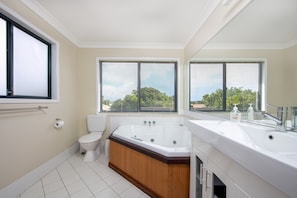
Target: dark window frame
(139, 84)
(9, 48)
(224, 87)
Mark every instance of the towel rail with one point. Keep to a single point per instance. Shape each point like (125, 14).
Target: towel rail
(25, 109)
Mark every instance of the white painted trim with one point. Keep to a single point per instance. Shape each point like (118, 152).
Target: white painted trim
(249, 46)
(23, 183)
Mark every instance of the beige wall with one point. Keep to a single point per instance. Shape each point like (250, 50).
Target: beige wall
(87, 74)
(28, 140)
(290, 76)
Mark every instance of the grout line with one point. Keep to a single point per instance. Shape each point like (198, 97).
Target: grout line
(81, 178)
(63, 181)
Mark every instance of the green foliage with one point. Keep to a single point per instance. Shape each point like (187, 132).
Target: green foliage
(149, 98)
(234, 95)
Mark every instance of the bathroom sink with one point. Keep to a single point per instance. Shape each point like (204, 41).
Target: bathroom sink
(256, 137)
(269, 154)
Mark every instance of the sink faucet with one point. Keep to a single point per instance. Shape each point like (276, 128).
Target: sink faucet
(280, 118)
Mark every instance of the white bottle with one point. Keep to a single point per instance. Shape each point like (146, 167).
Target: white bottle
(250, 112)
(235, 114)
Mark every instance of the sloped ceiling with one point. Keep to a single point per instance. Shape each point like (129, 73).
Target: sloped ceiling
(263, 24)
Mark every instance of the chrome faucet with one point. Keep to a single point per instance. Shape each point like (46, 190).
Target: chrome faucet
(280, 118)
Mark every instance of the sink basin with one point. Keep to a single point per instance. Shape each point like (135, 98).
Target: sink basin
(269, 154)
(258, 137)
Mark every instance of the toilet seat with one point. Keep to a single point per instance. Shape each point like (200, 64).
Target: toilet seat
(91, 137)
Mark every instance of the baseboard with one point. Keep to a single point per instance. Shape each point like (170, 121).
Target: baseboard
(23, 183)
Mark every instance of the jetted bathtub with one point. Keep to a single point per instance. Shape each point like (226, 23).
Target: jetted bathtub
(155, 158)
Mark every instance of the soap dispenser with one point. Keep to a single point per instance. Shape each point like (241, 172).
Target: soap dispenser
(250, 112)
(235, 114)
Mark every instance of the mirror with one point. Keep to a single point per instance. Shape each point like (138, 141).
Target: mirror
(265, 30)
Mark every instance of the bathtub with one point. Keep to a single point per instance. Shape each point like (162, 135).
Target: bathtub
(155, 158)
(165, 140)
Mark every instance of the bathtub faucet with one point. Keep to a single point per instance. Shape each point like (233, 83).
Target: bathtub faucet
(149, 122)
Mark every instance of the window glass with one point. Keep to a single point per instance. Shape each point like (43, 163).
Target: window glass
(218, 86)
(157, 91)
(138, 86)
(30, 71)
(2, 57)
(206, 86)
(242, 84)
(119, 87)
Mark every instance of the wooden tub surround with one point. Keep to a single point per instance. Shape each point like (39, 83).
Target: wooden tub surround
(156, 175)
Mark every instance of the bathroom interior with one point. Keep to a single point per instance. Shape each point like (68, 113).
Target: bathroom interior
(37, 135)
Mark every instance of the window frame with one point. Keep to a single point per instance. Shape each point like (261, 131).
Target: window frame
(10, 24)
(261, 81)
(53, 59)
(139, 62)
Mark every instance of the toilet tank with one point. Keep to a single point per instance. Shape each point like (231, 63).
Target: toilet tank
(96, 123)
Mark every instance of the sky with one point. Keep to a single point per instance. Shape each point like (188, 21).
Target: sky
(119, 79)
(207, 78)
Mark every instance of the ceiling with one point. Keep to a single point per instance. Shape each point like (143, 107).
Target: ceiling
(263, 24)
(168, 24)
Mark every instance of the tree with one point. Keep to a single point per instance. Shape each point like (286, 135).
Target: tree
(241, 97)
(149, 97)
(234, 95)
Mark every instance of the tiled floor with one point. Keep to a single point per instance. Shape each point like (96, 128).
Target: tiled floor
(77, 179)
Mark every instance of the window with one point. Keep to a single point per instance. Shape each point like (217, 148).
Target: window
(25, 67)
(218, 86)
(138, 86)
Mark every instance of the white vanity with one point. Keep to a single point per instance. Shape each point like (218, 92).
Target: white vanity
(240, 160)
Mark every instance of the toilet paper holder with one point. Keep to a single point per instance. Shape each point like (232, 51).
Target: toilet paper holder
(59, 123)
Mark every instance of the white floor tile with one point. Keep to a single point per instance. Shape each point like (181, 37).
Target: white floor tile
(48, 188)
(52, 177)
(77, 179)
(98, 186)
(61, 193)
(131, 193)
(76, 187)
(35, 191)
(121, 186)
(83, 193)
(71, 179)
(106, 193)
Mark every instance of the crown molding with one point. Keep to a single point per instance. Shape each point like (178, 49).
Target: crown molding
(249, 46)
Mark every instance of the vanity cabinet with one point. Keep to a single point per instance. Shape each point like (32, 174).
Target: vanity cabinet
(215, 175)
(209, 181)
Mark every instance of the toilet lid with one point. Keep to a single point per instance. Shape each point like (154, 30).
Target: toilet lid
(92, 137)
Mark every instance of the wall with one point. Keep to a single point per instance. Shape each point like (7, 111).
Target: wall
(87, 75)
(290, 76)
(28, 140)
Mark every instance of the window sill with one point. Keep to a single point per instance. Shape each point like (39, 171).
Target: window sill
(28, 101)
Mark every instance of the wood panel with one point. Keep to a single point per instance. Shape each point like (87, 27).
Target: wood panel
(156, 178)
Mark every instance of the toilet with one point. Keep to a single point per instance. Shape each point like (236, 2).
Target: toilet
(96, 126)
